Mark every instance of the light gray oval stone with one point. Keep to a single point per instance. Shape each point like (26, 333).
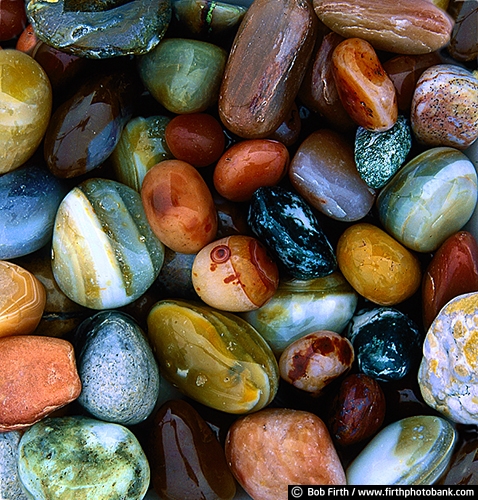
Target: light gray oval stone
(80, 458)
(10, 485)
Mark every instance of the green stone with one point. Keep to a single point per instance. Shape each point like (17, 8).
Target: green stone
(100, 29)
(379, 155)
(183, 75)
(80, 458)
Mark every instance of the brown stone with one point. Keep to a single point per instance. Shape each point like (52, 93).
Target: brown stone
(273, 448)
(266, 66)
(37, 376)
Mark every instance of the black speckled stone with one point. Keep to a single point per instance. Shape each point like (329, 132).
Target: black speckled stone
(117, 368)
(387, 343)
(286, 225)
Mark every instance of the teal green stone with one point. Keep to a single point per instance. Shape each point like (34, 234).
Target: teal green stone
(104, 252)
(430, 198)
(142, 144)
(379, 155)
(183, 75)
(415, 450)
(80, 458)
(100, 29)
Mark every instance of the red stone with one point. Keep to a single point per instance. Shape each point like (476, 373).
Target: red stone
(195, 138)
(452, 271)
(357, 411)
(13, 18)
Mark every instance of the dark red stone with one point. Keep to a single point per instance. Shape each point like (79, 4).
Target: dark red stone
(452, 271)
(13, 18)
(357, 411)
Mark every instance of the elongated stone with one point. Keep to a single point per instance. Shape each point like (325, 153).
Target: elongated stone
(324, 172)
(414, 450)
(10, 484)
(104, 253)
(429, 198)
(276, 39)
(83, 458)
(37, 376)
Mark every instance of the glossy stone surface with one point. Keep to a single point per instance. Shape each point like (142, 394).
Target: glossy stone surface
(367, 93)
(183, 75)
(429, 199)
(196, 138)
(414, 450)
(100, 31)
(275, 447)
(210, 20)
(249, 165)
(13, 19)
(463, 45)
(141, 145)
(26, 99)
(179, 206)
(175, 277)
(29, 199)
(379, 155)
(22, 301)
(286, 225)
(358, 410)
(37, 376)
(404, 71)
(447, 374)
(318, 90)
(105, 103)
(386, 342)
(452, 271)
(444, 110)
(104, 253)
(324, 173)
(101, 460)
(300, 307)
(407, 27)
(185, 456)
(376, 265)
(312, 362)
(10, 484)
(276, 39)
(118, 372)
(213, 357)
(235, 274)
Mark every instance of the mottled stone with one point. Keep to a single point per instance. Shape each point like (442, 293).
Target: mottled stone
(378, 155)
(273, 448)
(414, 450)
(10, 486)
(107, 29)
(323, 171)
(444, 109)
(447, 375)
(117, 368)
(429, 198)
(80, 458)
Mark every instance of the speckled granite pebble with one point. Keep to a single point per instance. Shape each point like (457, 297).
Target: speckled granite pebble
(448, 376)
(10, 485)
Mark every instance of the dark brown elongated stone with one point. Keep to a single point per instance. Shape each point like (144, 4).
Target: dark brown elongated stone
(266, 66)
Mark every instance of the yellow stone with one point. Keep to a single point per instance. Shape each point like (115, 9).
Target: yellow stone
(25, 107)
(376, 265)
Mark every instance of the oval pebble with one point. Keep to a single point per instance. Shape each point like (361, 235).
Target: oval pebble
(83, 459)
(117, 368)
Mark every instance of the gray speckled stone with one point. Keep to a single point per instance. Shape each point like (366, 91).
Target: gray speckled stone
(10, 485)
(79, 458)
(379, 155)
(117, 368)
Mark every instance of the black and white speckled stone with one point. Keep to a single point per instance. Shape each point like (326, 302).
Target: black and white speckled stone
(117, 368)
(378, 155)
(286, 225)
(10, 485)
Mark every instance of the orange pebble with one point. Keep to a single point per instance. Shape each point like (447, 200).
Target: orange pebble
(366, 91)
(249, 165)
(37, 376)
(22, 300)
(376, 265)
(179, 206)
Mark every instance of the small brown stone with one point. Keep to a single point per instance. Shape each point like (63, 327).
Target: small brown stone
(273, 448)
(37, 376)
